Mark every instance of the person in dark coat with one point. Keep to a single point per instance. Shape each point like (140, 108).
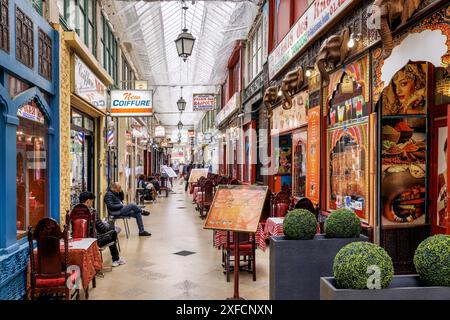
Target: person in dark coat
(114, 202)
(105, 232)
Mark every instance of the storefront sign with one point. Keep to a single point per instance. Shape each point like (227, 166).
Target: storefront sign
(204, 102)
(313, 156)
(31, 112)
(37, 160)
(237, 208)
(88, 86)
(131, 103)
(231, 107)
(313, 21)
(286, 120)
(160, 132)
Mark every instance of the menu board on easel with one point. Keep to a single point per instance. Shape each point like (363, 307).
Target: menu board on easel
(197, 174)
(237, 208)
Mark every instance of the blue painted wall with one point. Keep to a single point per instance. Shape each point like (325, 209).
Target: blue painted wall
(13, 253)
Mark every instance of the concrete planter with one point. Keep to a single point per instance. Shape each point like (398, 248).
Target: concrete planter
(402, 287)
(297, 265)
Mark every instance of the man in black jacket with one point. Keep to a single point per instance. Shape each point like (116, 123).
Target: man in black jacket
(116, 208)
(105, 232)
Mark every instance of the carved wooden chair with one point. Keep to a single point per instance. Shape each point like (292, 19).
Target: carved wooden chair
(234, 182)
(81, 222)
(48, 269)
(247, 254)
(207, 196)
(281, 204)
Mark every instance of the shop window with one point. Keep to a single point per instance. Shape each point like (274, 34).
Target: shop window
(38, 5)
(16, 86)
(283, 18)
(32, 172)
(347, 149)
(299, 178)
(4, 26)
(45, 55)
(24, 39)
(109, 47)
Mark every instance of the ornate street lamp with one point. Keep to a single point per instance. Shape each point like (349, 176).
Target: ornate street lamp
(185, 41)
(181, 103)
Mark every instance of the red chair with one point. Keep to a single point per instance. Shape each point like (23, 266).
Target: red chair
(234, 182)
(247, 251)
(206, 197)
(48, 275)
(281, 203)
(81, 222)
(164, 186)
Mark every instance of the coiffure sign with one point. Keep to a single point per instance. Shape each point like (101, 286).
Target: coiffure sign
(315, 19)
(131, 103)
(228, 110)
(88, 86)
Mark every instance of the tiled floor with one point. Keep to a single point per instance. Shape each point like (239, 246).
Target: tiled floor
(154, 271)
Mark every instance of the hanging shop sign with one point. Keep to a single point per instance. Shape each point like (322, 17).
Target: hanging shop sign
(197, 174)
(37, 160)
(160, 132)
(231, 107)
(131, 103)
(237, 208)
(204, 102)
(88, 86)
(313, 156)
(141, 84)
(31, 112)
(313, 21)
(286, 120)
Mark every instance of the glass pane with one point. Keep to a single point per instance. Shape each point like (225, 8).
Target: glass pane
(89, 124)
(77, 119)
(81, 3)
(60, 4)
(91, 37)
(91, 10)
(31, 175)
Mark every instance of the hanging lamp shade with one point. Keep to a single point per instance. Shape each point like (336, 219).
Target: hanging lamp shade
(185, 44)
(181, 103)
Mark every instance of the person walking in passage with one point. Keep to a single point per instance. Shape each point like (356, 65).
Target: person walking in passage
(116, 208)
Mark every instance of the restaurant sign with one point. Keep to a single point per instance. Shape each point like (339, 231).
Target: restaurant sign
(231, 107)
(88, 86)
(286, 120)
(31, 112)
(204, 102)
(131, 103)
(314, 20)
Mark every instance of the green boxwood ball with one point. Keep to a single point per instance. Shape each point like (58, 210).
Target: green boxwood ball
(300, 224)
(342, 223)
(432, 260)
(352, 265)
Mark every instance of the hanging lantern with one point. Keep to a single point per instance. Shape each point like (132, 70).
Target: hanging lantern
(181, 103)
(180, 125)
(185, 41)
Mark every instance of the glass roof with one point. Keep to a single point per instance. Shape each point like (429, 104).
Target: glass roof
(152, 27)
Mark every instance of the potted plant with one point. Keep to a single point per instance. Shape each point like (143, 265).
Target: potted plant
(301, 257)
(359, 267)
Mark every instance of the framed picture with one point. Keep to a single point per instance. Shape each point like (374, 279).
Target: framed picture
(407, 92)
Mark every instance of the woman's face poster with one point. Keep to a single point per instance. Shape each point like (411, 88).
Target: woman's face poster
(407, 92)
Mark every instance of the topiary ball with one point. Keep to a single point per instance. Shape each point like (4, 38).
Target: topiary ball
(432, 260)
(300, 224)
(352, 266)
(342, 223)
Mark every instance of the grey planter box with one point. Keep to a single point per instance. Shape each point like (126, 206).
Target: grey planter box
(297, 265)
(402, 287)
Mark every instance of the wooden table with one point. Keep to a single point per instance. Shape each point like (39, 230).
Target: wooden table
(85, 254)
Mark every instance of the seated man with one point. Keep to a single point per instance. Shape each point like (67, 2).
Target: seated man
(105, 232)
(155, 183)
(150, 190)
(116, 208)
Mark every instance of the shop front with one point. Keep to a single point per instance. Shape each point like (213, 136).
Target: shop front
(30, 140)
(228, 122)
(412, 96)
(88, 140)
(289, 136)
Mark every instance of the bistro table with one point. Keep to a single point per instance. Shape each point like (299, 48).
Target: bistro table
(220, 237)
(272, 227)
(85, 254)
